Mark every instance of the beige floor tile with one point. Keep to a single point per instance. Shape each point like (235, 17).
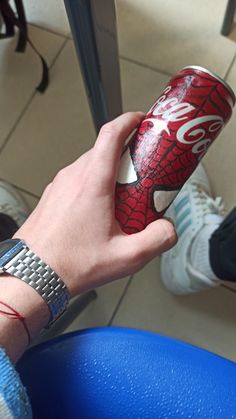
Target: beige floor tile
(48, 14)
(231, 78)
(20, 74)
(99, 311)
(207, 319)
(171, 34)
(54, 131)
(140, 86)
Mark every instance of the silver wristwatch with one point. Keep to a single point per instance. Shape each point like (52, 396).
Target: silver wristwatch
(18, 260)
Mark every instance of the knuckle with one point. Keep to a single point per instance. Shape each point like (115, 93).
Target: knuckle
(48, 187)
(46, 191)
(135, 256)
(61, 175)
(170, 232)
(131, 114)
(107, 129)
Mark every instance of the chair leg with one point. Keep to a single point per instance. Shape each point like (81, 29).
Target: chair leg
(228, 17)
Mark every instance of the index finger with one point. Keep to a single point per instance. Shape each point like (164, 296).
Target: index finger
(111, 138)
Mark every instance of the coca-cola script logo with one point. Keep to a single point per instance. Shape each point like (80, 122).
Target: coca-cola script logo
(195, 131)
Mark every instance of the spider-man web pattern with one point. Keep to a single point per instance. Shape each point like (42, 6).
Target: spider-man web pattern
(168, 145)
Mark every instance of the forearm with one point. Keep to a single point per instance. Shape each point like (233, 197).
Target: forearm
(25, 300)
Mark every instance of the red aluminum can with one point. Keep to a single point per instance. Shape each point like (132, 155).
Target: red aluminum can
(168, 145)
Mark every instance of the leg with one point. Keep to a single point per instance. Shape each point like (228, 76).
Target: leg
(223, 249)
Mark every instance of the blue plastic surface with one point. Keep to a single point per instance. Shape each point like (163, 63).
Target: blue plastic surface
(124, 373)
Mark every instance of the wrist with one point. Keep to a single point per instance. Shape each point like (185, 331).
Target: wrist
(25, 300)
(19, 259)
(43, 247)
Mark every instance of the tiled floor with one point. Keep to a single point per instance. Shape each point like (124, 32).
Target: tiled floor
(39, 134)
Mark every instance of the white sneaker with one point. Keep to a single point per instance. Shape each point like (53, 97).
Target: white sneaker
(12, 204)
(195, 214)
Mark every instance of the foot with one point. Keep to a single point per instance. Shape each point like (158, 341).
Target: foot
(196, 215)
(12, 204)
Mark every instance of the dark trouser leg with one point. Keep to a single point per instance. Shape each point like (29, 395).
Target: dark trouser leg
(223, 249)
(8, 227)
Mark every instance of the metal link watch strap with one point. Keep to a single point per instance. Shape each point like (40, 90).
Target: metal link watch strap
(27, 266)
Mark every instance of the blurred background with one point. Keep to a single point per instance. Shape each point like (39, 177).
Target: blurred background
(41, 133)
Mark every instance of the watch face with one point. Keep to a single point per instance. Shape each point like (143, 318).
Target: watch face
(8, 249)
(5, 246)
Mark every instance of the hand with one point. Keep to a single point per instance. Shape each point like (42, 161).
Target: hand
(74, 229)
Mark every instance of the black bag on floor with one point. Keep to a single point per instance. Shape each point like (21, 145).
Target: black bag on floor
(16, 19)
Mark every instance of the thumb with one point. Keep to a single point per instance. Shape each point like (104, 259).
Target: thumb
(155, 239)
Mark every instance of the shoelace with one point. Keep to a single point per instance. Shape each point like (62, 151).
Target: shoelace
(17, 216)
(208, 204)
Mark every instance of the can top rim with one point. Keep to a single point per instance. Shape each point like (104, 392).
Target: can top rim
(205, 70)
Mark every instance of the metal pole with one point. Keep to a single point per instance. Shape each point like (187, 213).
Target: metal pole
(228, 17)
(93, 26)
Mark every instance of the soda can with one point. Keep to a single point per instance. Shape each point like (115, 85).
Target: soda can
(168, 145)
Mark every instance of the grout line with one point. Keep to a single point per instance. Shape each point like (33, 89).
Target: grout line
(17, 121)
(120, 300)
(58, 53)
(157, 70)
(48, 30)
(30, 101)
(229, 68)
(228, 288)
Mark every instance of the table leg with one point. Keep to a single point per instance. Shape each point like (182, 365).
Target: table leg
(93, 26)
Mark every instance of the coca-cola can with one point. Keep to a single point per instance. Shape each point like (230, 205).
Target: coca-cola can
(168, 145)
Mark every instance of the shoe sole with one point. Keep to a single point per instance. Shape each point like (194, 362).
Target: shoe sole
(166, 274)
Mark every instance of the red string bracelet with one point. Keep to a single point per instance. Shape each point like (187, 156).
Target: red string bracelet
(13, 314)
